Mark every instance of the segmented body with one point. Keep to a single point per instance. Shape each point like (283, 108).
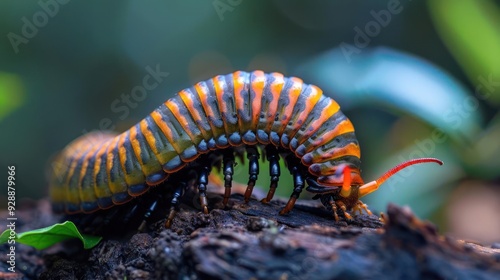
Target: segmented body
(100, 170)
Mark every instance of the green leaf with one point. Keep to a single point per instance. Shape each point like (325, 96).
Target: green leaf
(469, 29)
(45, 237)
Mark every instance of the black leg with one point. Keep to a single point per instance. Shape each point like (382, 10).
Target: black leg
(274, 171)
(130, 214)
(228, 171)
(147, 215)
(253, 170)
(174, 203)
(202, 188)
(293, 164)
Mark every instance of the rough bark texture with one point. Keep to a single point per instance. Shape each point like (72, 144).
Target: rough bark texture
(250, 241)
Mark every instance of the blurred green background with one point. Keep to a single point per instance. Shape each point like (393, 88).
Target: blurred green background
(417, 79)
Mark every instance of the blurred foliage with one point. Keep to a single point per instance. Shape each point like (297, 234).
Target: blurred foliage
(415, 77)
(474, 42)
(11, 94)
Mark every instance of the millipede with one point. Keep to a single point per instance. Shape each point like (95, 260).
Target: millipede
(207, 125)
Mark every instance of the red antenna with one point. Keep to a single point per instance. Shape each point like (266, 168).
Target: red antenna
(374, 185)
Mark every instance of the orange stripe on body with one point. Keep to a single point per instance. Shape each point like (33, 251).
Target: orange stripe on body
(343, 127)
(86, 162)
(183, 121)
(87, 192)
(136, 147)
(275, 88)
(77, 153)
(114, 187)
(293, 95)
(311, 101)
(101, 191)
(327, 112)
(72, 194)
(148, 135)
(257, 85)
(350, 149)
(122, 152)
(239, 85)
(211, 115)
(166, 131)
(188, 102)
(80, 146)
(135, 176)
(219, 92)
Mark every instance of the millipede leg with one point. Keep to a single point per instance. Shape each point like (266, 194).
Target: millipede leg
(298, 183)
(253, 170)
(179, 191)
(334, 209)
(147, 215)
(202, 188)
(274, 171)
(171, 216)
(228, 171)
(128, 216)
(344, 210)
(360, 206)
(383, 218)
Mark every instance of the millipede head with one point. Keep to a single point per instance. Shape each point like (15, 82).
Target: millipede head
(344, 176)
(343, 190)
